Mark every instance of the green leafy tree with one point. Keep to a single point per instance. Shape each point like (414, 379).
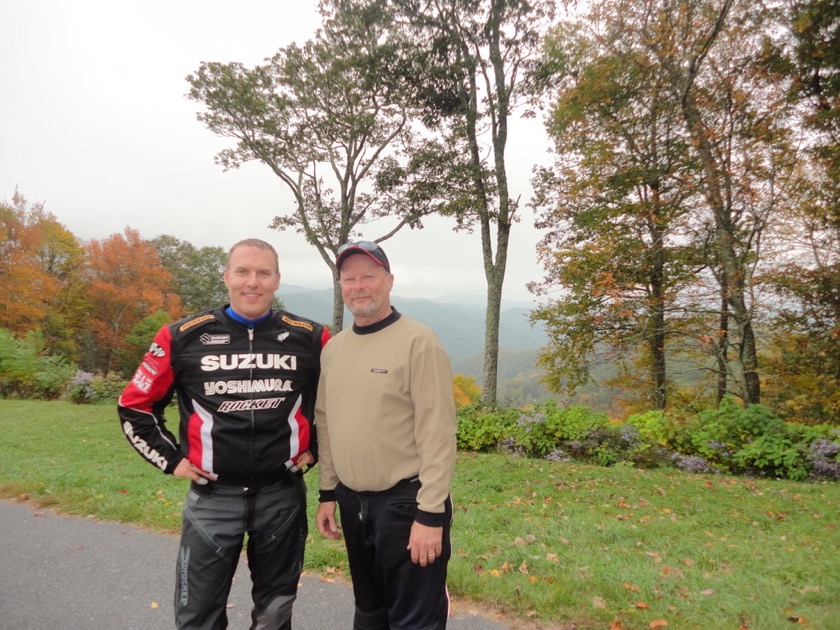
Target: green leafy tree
(465, 65)
(815, 57)
(137, 342)
(804, 383)
(320, 117)
(803, 358)
(197, 272)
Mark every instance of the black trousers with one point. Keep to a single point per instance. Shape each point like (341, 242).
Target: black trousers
(216, 519)
(391, 592)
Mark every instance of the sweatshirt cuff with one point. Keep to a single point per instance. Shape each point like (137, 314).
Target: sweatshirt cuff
(431, 519)
(326, 496)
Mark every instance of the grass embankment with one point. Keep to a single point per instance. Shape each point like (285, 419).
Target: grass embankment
(558, 543)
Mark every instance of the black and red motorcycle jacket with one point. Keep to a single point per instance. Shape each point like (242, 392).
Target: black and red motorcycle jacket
(246, 396)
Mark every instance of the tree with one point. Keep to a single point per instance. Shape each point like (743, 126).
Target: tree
(618, 247)
(815, 59)
(41, 263)
(126, 283)
(465, 390)
(464, 64)
(805, 371)
(197, 272)
(136, 342)
(712, 54)
(27, 287)
(320, 117)
(687, 155)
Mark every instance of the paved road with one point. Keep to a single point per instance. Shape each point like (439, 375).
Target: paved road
(67, 573)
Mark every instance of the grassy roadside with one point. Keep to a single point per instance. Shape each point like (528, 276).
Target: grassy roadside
(557, 543)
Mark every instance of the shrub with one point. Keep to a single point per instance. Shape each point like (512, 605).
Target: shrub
(79, 390)
(480, 430)
(544, 428)
(771, 455)
(87, 388)
(733, 439)
(670, 430)
(824, 457)
(720, 433)
(26, 371)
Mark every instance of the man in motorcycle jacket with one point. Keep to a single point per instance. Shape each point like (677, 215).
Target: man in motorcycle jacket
(245, 378)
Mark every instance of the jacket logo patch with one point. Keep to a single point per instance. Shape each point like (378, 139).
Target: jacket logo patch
(214, 340)
(248, 387)
(194, 322)
(156, 351)
(282, 336)
(246, 361)
(250, 405)
(299, 324)
(142, 381)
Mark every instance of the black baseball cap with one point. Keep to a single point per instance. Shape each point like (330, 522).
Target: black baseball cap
(368, 248)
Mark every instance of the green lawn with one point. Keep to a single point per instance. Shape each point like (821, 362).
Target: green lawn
(563, 544)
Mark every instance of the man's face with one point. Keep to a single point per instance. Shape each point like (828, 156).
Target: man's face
(251, 279)
(366, 288)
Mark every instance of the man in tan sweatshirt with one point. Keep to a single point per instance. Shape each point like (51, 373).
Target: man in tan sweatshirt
(385, 417)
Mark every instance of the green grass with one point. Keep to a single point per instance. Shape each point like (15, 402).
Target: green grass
(555, 542)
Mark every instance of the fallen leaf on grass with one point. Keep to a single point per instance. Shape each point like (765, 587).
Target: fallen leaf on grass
(616, 625)
(658, 623)
(642, 605)
(630, 587)
(707, 592)
(798, 620)
(598, 602)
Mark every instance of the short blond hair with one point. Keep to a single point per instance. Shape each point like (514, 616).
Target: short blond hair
(258, 244)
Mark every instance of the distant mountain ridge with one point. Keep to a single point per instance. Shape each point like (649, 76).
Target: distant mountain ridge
(458, 322)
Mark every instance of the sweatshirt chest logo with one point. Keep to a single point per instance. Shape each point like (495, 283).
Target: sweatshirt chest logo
(378, 371)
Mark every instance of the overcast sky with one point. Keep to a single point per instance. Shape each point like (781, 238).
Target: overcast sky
(95, 124)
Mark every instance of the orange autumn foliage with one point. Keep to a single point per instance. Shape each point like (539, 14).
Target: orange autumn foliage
(127, 284)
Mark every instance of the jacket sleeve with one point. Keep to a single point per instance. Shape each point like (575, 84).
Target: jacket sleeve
(142, 403)
(313, 434)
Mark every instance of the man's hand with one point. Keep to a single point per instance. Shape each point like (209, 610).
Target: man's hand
(187, 470)
(325, 517)
(425, 543)
(305, 459)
